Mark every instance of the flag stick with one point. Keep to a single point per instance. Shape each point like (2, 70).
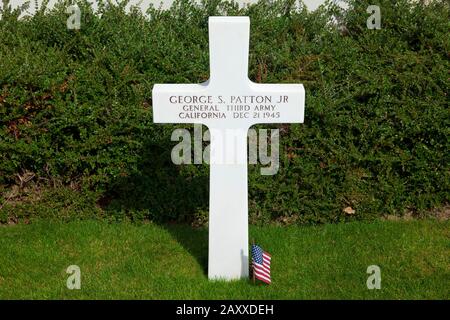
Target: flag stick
(253, 265)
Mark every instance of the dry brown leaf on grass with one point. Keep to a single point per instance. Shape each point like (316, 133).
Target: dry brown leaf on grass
(349, 210)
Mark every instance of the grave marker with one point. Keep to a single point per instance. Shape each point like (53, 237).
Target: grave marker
(228, 104)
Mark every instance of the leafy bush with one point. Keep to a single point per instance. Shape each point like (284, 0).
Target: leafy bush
(76, 115)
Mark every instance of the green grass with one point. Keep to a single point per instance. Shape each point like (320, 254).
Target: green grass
(147, 261)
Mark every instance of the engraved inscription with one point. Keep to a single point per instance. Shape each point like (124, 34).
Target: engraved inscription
(229, 107)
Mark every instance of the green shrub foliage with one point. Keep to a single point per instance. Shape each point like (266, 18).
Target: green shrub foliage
(76, 111)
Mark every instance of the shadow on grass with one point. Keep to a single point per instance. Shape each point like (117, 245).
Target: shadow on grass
(193, 240)
(163, 192)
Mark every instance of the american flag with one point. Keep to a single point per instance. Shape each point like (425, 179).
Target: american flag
(261, 264)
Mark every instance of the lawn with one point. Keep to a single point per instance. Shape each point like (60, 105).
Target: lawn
(149, 261)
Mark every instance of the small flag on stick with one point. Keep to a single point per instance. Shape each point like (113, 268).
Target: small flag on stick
(261, 264)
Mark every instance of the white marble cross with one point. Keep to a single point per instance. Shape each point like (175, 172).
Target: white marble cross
(228, 104)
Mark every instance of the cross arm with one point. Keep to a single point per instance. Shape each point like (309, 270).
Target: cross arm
(285, 103)
(168, 101)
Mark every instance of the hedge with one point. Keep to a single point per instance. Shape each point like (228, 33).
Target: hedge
(77, 138)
